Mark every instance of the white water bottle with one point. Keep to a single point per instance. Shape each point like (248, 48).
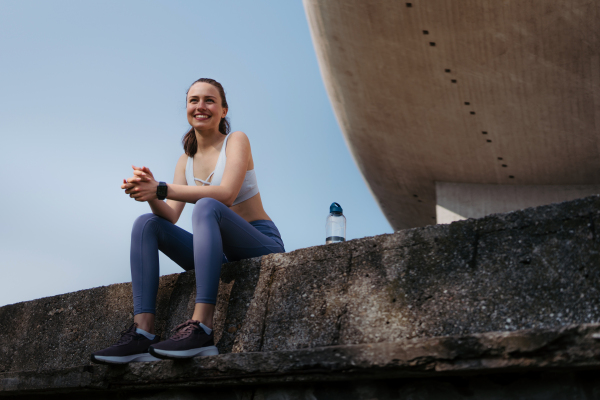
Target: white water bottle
(335, 227)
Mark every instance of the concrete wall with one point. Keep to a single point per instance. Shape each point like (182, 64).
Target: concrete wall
(537, 268)
(425, 302)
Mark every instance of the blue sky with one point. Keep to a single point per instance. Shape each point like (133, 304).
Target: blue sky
(89, 88)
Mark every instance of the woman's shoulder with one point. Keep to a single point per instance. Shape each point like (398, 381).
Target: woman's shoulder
(239, 139)
(238, 136)
(180, 170)
(182, 161)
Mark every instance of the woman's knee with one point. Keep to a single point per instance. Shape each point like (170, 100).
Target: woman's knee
(143, 219)
(206, 207)
(141, 222)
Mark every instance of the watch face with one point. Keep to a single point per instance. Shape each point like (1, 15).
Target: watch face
(161, 191)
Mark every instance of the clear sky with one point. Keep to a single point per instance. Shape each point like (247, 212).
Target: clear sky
(89, 88)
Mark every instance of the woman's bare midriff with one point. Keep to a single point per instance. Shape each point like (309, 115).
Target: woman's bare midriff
(251, 209)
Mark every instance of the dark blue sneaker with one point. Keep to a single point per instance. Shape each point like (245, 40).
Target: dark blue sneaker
(131, 347)
(189, 340)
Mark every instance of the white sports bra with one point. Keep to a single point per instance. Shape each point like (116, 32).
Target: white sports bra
(249, 187)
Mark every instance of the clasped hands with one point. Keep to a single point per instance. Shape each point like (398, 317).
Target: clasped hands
(141, 186)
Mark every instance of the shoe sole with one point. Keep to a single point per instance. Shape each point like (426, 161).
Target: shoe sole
(177, 354)
(123, 359)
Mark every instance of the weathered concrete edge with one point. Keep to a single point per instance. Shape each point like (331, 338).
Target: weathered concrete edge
(248, 317)
(571, 347)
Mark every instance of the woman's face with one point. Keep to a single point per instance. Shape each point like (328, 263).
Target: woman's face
(204, 110)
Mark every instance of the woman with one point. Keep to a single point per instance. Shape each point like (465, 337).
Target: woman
(228, 220)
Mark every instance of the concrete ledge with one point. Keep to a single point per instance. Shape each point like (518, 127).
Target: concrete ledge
(535, 268)
(568, 348)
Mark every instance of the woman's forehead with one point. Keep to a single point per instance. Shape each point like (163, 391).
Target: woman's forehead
(203, 89)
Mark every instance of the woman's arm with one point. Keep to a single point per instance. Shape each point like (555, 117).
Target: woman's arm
(172, 209)
(238, 156)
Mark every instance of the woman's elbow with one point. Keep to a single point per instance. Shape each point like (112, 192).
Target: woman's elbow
(228, 201)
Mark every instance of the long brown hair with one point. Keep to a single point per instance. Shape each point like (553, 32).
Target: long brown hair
(190, 144)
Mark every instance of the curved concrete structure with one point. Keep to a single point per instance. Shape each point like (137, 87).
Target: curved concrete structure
(473, 92)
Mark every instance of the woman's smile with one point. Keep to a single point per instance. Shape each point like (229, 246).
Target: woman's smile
(201, 117)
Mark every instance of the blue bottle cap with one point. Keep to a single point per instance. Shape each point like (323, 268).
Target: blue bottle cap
(335, 208)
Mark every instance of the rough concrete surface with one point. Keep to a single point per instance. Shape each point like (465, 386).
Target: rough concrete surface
(536, 268)
(571, 348)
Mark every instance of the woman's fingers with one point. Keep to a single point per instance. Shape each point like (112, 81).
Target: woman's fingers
(148, 172)
(144, 172)
(143, 169)
(133, 189)
(142, 176)
(137, 197)
(129, 185)
(135, 185)
(134, 180)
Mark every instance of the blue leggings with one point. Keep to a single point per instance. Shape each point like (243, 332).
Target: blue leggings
(218, 233)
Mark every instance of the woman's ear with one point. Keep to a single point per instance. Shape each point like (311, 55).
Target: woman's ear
(225, 110)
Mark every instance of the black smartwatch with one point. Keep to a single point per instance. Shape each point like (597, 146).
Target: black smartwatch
(161, 190)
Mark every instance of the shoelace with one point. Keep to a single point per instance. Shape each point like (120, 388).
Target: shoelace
(127, 335)
(185, 329)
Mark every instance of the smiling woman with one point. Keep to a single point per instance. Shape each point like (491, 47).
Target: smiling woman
(229, 224)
